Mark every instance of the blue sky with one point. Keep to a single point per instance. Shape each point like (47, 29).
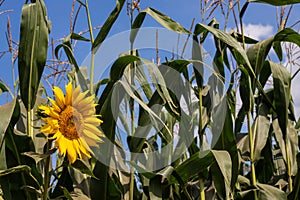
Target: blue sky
(259, 20)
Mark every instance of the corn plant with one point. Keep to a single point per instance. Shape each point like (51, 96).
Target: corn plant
(183, 125)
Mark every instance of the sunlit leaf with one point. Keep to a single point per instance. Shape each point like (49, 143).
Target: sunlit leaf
(66, 45)
(257, 54)
(282, 90)
(227, 142)
(32, 50)
(222, 173)
(108, 24)
(260, 130)
(164, 20)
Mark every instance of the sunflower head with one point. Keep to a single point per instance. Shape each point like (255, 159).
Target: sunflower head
(72, 121)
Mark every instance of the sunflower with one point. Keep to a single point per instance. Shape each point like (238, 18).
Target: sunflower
(72, 121)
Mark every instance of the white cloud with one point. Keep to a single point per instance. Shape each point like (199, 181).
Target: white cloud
(258, 31)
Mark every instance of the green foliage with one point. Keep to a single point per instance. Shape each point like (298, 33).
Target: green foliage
(184, 165)
(34, 31)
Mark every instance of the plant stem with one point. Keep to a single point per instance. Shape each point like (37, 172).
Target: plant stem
(46, 172)
(202, 192)
(29, 123)
(89, 21)
(241, 25)
(250, 135)
(131, 186)
(201, 180)
(92, 67)
(200, 117)
(290, 180)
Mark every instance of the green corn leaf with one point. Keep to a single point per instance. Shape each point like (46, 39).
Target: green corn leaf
(222, 173)
(32, 50)
(257, 54)
(66, 45)
(161, 18)
(13, 170)
(108, 24)
(276, 2)
(8, 109)
(282, 92)
(3, 87)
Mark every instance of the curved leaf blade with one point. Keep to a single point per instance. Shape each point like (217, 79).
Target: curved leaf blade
(276, 2)
(108, 24)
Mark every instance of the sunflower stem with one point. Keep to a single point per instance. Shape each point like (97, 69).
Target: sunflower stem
(46, 172)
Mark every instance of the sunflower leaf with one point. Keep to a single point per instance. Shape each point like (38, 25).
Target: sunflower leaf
(83, 168)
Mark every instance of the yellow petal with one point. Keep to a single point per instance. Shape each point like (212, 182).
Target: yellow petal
(85, 145)
(93, 120)
(91, 135)
(80, 97)
(93, 129)
(45, 109)
(92, 142)
(56, 136)
(76, 92)
(83, 149)
(59, 97)
(62, 146)
(68, 94)
(46, 129)
(76, 147)
(54, 105)
(88, 101)
(88, 113)
(72, 155)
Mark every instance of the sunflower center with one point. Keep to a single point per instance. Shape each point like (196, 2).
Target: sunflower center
(70, 122)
